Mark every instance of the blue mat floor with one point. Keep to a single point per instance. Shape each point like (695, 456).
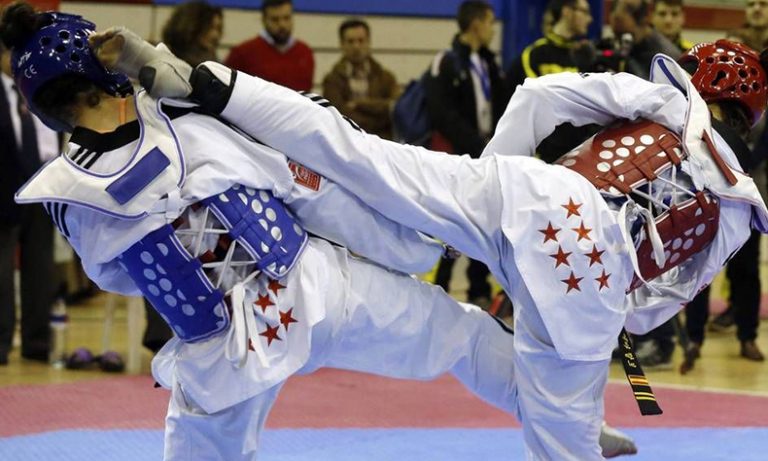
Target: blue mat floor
(667, 444)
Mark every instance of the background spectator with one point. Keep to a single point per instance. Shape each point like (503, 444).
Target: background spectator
(465, 101)
(193, 32)
(630, 23)
(275, 55)
(26, 142)
(755, 30)
(358, 85)
(668, 18)
(553, 53)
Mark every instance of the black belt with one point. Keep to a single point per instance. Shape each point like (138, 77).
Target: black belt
(644, 396)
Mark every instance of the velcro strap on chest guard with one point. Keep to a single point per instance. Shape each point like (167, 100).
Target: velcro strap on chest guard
(642, 161)
(262, 225)
(176, 286)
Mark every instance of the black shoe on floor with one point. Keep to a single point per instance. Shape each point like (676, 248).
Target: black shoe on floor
(750, 351)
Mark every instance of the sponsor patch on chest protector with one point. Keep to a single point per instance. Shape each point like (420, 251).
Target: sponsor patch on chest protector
(304, 176)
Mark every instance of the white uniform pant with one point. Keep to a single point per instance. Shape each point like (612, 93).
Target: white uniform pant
(378, 322)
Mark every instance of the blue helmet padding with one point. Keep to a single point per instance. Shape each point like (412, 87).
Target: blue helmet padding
(61, 48)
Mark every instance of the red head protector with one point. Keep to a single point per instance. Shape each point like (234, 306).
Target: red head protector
(729, 71)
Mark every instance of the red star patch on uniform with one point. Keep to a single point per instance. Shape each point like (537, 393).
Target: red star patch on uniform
(561, 257)
(572, 282)
(603, 280)
(286, 318)
(594, 256)
(573, 208)
(263, 302)
(274, 286)
(550, 233)
(271, 334)
(582, 231)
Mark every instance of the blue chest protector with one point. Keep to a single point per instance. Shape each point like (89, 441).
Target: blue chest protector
(173, 280)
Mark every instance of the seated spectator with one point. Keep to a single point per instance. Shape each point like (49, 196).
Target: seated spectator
(193, 31)
(358, 85)
(274, 54)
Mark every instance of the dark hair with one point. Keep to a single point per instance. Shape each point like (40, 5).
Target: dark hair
(273, 3)
(556, 8)
(351, 23)
(58, 97)
(639, 12)
(470, 10)
(19, 21)
(186, 25)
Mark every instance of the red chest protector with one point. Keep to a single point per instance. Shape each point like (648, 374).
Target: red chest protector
(641, 161)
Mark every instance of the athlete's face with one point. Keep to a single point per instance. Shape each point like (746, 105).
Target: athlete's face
(757, 13)
(278, 22)
(356, 44)
(668, 19)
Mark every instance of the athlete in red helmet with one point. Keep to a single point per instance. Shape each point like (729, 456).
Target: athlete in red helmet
(627, 228)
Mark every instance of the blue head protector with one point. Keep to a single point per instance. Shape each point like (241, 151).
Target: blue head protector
(60, 47)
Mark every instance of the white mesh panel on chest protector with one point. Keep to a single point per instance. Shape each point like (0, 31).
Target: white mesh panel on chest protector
(638, 168)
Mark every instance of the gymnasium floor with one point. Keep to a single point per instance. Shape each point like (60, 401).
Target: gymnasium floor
(717, 412)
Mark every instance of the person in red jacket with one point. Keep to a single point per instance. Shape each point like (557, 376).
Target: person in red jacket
(274, 54)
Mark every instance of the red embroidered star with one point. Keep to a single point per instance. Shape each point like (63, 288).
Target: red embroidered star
(561, 257)
(286, 318)
(594, 256)
(274, 286)
(603, 280)
(573, 208)
(263, 302)
(582, 231)
(271, 334)
(572, 282)
(550, 233)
